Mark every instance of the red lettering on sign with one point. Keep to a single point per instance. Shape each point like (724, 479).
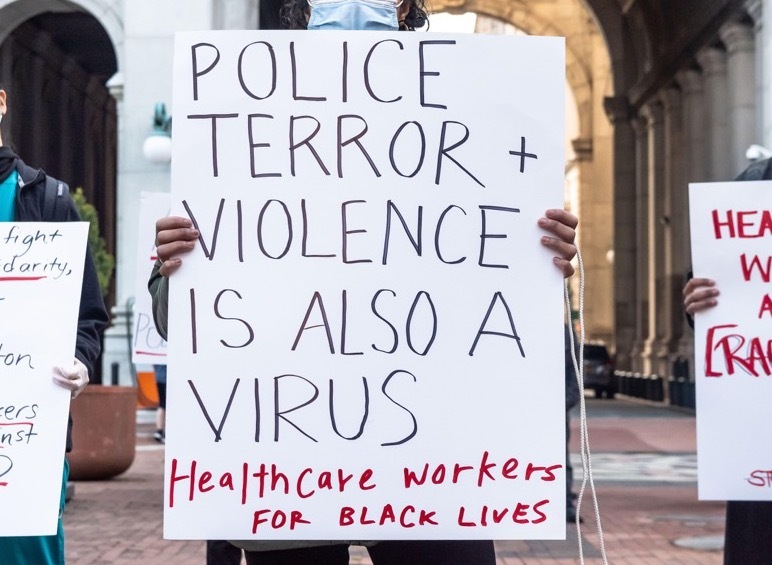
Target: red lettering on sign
(760, 478)
(521, 513)
(278, 519)
(751, 355)
(744, 224)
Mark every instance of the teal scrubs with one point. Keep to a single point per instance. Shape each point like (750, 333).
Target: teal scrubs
(7, 194)
(40, 550)
(37, 550)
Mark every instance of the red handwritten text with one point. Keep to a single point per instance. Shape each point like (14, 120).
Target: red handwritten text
(278, 520)
(521, 514)
(482, 472)
(262, 478)
(756, 263)
(405, 517)
(760, 478)
(744, 224)
(753, 355)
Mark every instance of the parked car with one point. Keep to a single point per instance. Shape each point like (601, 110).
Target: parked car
(599, 370)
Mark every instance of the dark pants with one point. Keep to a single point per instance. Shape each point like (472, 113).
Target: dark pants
(569, 470)
(385, 553)
(220, 552)
(746, 539)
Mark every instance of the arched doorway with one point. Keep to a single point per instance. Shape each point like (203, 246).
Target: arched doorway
(54, 65)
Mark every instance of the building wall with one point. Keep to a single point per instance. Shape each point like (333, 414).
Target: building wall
(662, 93)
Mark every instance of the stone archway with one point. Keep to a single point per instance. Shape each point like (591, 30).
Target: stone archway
(591, 167)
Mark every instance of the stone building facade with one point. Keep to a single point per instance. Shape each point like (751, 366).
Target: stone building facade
(664, 93)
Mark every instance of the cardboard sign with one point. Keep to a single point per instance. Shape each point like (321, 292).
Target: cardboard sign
(731, 231)
(41, 272)
(148, 346)
(367, 342)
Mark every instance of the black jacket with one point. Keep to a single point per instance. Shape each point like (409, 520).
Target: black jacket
(92, 317)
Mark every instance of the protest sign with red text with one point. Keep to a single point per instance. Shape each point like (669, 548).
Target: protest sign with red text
(731, 231)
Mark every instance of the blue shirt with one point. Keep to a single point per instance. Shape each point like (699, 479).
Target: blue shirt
(7, 194)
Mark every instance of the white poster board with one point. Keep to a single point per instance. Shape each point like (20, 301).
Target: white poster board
(368, 341)
(147, 345)
(731, 231)
(41, 270)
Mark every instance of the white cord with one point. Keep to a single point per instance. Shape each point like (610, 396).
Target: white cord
(584, 437)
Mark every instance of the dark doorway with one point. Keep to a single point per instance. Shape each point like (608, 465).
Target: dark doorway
(61, 117)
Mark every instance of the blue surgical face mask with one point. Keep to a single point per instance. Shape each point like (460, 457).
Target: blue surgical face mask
(378, 15)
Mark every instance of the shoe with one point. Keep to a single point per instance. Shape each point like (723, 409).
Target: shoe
(159, 436)
(571, 516)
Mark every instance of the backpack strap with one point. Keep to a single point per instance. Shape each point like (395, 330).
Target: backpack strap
(55, 207)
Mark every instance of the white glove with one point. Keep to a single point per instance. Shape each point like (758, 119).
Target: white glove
(74, 378)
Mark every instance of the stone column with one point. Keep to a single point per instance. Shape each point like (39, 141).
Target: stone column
(641, 249)
(6, 60)
(618, 111)
(654, 115)
(593, 240)
(766, 57)
(741, 72)
(117, 335)
(695, 142)
(756, 12)
(695, 166)
(67, 156)
(37, 70)
(715, 123)
(674, 228)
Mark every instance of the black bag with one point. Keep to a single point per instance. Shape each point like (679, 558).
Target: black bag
(56, 200)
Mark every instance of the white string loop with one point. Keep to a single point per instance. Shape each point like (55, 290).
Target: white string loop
(584, 437)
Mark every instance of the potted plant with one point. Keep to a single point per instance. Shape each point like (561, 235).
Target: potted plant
(104, 417)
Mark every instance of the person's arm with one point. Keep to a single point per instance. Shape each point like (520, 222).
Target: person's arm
(561, 227)
(158, 286)
(699, 294)
(174, 236)
(92, 319)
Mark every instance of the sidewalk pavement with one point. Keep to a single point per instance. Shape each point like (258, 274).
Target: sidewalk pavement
(643, 467)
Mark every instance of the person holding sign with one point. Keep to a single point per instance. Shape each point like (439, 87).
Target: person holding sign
(176, 236)
(745, 541)
(22, 199)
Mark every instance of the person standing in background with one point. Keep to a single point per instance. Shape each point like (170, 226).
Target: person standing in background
(176, 236)
(572, 399)
(160, 414)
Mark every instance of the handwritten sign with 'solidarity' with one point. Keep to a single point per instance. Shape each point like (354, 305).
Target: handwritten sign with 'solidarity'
(367, 340)
(731, 232)
(41, 270)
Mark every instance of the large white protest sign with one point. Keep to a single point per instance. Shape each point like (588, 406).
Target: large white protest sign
(41, 270)
(367, 342)
(731, 231)
(147, 345)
